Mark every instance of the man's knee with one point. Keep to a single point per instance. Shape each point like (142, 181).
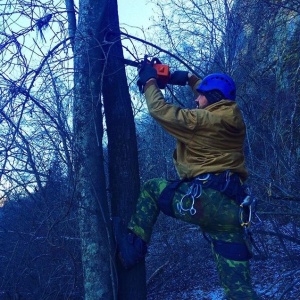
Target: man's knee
(231, 250)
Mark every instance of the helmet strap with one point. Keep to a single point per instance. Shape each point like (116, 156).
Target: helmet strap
(214, 96)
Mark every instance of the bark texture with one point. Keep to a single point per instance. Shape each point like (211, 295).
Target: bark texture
(122, 148)
(89, 162)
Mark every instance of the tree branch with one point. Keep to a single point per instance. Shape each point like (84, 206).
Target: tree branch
(160, 49)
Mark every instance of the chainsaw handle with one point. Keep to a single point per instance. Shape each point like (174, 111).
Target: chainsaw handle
(152, 62)
(155, 60)
(163, 71)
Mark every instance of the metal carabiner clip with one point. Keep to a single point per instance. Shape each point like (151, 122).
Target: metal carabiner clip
(194, 192)
(191, 209)
(227, 181)
(203, 177)
(247, 203)
(197, 190)
(247, 222)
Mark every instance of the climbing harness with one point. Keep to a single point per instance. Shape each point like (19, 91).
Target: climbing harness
(226, 182)
(215, 181)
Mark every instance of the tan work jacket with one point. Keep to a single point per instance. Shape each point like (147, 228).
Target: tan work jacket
(208, 140)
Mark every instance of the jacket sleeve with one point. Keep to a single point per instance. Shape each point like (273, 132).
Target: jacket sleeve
(176, 121)
(193, 82)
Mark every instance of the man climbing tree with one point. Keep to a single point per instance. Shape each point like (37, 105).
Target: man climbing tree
(210, 162)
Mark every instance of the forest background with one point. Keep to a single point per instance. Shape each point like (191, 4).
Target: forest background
(76, 143)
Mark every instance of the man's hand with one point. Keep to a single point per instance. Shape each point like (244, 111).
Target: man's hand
(179, 78)
(147, 72)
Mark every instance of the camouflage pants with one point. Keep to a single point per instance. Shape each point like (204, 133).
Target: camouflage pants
(216, 214)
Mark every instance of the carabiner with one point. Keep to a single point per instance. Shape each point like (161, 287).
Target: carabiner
(206, 177)
(243, 222)
(191, 209)
(227, 181)
(196, 190)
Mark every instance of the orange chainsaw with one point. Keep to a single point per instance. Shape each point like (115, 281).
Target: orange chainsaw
(163, 71)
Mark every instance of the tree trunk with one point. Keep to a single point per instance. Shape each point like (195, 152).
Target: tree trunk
(122, 149)
(89, 162)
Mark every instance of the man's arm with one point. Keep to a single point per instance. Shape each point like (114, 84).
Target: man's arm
(176, 121)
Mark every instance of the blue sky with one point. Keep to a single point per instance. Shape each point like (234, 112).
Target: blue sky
(135, 12)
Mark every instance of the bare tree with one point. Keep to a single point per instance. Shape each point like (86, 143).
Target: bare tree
(36, 129)
(35, 115)
(99, 70)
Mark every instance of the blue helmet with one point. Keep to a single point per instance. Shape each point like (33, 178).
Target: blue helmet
(220, 82)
